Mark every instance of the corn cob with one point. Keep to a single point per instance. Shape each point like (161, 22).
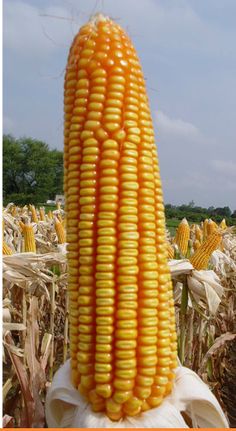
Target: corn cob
(29, 239)
(211, 227)
(42, 214)
(198, 233)
(223, 224)
(59, 217)
(182, 236)
(60, 231)
(14, 211)
(6, 250)
(205, 223)
(58, 205)
(122, 322)
(192, 227)
(50, 215)
(33, 214)
(170, 250)
(196, 244)
(200, 258)
(22, 225)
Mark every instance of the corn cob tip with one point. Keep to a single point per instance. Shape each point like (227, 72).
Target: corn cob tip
(98, 17)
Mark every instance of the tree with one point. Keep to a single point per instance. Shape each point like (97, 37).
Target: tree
(191, 204)
(224, 212)
(31, 171)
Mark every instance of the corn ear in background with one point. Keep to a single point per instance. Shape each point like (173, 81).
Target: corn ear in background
(182, 236)
(200, 258)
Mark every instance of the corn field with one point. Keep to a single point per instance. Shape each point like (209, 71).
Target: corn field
(35, 308)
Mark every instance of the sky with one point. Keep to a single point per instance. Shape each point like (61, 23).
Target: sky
(188, 53)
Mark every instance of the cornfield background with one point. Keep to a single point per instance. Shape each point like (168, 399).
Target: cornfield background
(35, 310)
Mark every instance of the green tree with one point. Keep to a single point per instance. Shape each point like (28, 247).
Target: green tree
(31, 171)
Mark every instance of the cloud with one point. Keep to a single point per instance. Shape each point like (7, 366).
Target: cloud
(8, 124)
(224, 167)
(26, 32)
(176, 127)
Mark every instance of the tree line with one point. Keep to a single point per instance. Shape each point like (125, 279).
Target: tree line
(32, 172)
(197, 214)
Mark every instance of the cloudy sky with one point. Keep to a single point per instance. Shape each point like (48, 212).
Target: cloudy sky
(188, 53)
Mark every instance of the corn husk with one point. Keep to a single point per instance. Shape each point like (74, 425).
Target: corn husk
(179, 267)
(65, 407)
(224, 265)
(206, 286)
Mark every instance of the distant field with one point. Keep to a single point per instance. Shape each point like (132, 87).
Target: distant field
(48, 207)
(172, 225)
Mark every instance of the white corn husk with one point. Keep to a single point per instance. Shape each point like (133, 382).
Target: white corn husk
(205, 286)
(229, 241)
(223, 263)
(62, 248)
(66, 408)
(181, 266)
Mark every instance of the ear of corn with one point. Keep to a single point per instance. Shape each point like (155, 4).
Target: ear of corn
(60, 231)
(34, 217)
(122, 323)
(22, 225)
(211, 227)
(42, 214)
(59, 217)
(170, 251)
(205, 224)
(198, 233)
(29, 239)
(50, 215)
(14, 211)
(182, 236)
(200, 258)
(223, 224)
(196, 244)
(6, 250)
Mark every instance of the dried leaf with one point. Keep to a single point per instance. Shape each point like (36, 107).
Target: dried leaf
(45, 350)
(28, 410)
(7, 421)
(13, 326)
(219, 342)
(37, 376)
